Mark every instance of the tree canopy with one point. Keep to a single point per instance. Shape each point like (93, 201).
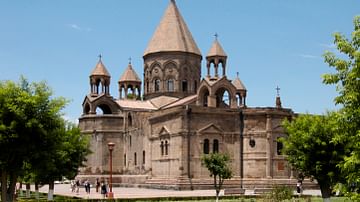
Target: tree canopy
(346, 62)
(218, 166)
(310, 149)
(33, 134)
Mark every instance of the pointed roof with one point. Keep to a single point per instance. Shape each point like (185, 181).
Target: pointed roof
(216, 50)
(172, 34)
(238, 84)
(129, 75)
(100, 70)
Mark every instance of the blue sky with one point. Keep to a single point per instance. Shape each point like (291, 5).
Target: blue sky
(270, 43)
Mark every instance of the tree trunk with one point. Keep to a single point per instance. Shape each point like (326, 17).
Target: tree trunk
(325, 192)
(12, 185)
(217, 195)
(3, 185)
(51, 191)
(28, 194)
(36, 190)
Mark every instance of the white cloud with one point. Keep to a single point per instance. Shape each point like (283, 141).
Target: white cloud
(79, 28)
(309, 56)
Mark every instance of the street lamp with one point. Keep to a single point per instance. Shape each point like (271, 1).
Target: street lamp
(111, 146)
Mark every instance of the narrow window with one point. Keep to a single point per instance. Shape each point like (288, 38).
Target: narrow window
(125, 159)
(166, 147)
(206, 146)
(170, 85)
(279, 146)
(216, 146)
(147, 86)
(157, 85)
(135, 160)
(162, 148)
(129, 120)
(143, 160)
(184, 85)
(130, 140)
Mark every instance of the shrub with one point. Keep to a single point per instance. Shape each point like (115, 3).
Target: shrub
(279, 193)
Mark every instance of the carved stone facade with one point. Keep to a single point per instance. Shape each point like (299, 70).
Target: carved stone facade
(160, 139)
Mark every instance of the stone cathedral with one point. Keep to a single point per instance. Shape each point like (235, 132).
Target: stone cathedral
(163, 124)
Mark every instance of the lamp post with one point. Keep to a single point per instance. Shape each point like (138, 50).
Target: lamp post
(111, 146)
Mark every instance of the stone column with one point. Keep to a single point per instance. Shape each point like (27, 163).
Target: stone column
(268, 147)
(211, 101)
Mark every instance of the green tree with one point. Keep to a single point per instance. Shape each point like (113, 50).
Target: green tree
(64, 160)
(218, 166)
(310, 149)
(347, 80)
(28, 115)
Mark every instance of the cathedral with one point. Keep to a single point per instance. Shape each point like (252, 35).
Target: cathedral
(163, 125)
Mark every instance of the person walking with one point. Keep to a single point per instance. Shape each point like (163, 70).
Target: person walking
(77, 183)
(299, 187)
(97, 185)
(103, 189)
(87, 186)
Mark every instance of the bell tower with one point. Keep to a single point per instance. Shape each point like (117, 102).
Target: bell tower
(99, 80)
(216, 56)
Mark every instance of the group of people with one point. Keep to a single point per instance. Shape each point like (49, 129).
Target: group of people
(100, 186)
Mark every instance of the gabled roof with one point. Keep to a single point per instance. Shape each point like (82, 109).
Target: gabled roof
(161, 101)
(136, 104)
(238, 84)
(172, 34)
(216, 50)
(100, 70)
(129, 75)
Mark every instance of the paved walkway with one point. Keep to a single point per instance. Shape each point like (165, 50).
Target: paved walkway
(123, 192)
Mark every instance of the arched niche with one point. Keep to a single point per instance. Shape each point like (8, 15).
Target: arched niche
(103, 109)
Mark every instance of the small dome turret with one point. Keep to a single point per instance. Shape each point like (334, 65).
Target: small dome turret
(100, 77)
(129, 81)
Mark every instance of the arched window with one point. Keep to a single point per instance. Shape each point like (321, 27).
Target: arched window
(279, 146)
(135, 160)
(129, 120)
(130, 140)
(86, 108)
(223, 98)
(157, 85)
(184, 85)
(205, 98)
(103, 109)
(216, 146)
(206, 146)
(166, 147)
(143, 160)
(162, 148)
(170, 85)
(125, 159)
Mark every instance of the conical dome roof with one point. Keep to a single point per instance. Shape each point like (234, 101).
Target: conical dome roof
(129, 75)
(172, 34)
(100, 70)
(216, 50)
(238, 84)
